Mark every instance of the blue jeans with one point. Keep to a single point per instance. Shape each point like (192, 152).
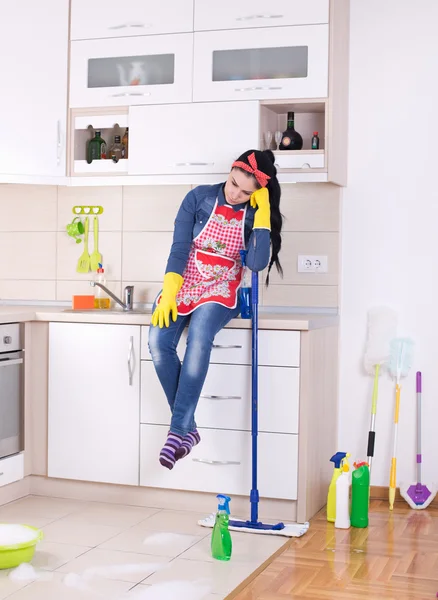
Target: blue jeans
(182, 383)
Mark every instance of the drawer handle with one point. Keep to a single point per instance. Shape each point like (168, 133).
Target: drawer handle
(125, 94)
(209, 397)
(223, 347)
(306, 166)
(194, 164)
(205, 461)
(258, 87)
(252, 17)
(133, 25)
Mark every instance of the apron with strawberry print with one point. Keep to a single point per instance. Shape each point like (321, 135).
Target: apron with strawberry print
(214, 268)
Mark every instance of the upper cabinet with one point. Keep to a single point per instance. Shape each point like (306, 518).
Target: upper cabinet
(33, 101)
(229, 14)
(137, 70)
(112, 18)
(269, 63)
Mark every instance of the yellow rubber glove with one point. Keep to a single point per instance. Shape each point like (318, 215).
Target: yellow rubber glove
(171, 286)
(260, 200)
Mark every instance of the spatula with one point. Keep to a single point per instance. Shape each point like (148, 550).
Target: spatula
(95, 257)
(84, 260)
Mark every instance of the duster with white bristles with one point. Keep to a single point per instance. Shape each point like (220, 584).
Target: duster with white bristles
(382, 327)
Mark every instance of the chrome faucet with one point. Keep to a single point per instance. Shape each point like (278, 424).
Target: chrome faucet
(128, 295)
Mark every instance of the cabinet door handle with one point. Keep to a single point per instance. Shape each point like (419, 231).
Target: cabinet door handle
(130, 359)
(256, 88)
(194, 164)
(252, 17)
(224, 347)
(133, 25)
(127, 94)
(211, 397)
(205, 461)
(58, 144)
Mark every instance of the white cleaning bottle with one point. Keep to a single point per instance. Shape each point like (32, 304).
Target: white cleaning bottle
(343, 498)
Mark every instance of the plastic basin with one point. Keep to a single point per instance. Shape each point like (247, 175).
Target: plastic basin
(14, 554)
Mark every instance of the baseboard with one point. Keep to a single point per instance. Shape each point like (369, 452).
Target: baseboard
(381, 492)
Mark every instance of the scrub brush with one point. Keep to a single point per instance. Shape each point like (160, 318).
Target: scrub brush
(382, 327)
(399, 365)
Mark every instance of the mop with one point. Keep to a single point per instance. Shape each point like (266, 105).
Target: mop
(418, 495)
(382, 325)
(253, 525)
(399, 365)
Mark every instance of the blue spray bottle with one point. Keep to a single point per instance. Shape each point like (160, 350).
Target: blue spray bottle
(221, 544)
(245, 289)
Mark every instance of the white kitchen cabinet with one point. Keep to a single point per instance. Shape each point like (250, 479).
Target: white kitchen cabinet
(94, 402)
(191, 138)
(266, 63)
(131, 70)
(33, 100)
(222, 461)
(112, 18)
(225, 401)
(229, 14)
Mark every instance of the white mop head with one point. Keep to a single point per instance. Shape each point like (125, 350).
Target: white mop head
(404, 492)
(400, 360)
(382, 328)
(290, 529)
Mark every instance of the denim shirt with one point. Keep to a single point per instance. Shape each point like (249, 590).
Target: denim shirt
(192, 217)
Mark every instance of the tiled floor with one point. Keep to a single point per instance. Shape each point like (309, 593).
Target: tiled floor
(93, 550)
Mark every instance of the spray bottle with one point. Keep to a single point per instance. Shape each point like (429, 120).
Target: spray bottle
(221, 544)
(245, 289)
(360, 495)
(343, 497)
(337, 459)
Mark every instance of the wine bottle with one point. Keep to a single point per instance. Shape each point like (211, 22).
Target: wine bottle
(291, 139)
(96, 148)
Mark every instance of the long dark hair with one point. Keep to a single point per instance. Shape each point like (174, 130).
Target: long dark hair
(265, 163)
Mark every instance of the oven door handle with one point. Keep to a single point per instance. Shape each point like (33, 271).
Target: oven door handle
(10, 363)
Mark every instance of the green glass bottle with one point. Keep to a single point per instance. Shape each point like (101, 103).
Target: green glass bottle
(360, 495)
(221, 544)
(96, 148)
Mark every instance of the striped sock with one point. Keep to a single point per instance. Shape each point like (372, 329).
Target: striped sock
(167, 454)
(190, 440)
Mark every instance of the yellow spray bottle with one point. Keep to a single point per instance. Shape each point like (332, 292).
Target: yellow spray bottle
(337, 459)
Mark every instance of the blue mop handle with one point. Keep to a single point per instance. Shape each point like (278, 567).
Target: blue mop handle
(254, 498)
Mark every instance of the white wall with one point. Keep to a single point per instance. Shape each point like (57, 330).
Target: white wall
(390, 223)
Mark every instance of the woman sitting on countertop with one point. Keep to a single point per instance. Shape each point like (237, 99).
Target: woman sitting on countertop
(202, 278)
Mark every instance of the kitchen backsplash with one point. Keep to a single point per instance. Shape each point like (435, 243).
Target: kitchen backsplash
(39, 258)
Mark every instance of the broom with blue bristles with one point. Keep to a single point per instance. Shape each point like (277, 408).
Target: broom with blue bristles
(399, 365)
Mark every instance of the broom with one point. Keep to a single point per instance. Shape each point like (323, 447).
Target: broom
(418, 495)
(400, 363)
(382, 325)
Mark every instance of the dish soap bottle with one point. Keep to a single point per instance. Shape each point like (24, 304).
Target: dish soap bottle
(360, 495)
(221, 544)
(101, 300)
(337, 459)
(245, 289)
(343, 498)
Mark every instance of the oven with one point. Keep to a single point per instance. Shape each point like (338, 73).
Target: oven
(11, 389)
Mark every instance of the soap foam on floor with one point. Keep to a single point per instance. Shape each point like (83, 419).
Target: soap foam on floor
(26, 572)
(183, 590)
(161, 539)
(114, 570)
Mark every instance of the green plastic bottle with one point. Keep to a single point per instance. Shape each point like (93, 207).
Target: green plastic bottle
(360, 495)
(221, 544)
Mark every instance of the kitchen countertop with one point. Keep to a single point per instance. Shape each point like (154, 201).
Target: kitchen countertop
(289, 321)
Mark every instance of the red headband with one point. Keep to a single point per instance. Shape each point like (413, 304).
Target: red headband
(261, 177)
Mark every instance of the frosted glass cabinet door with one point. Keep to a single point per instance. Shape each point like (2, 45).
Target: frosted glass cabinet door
(229, 14)
(136, 70)
(275, 62)
(95, 19)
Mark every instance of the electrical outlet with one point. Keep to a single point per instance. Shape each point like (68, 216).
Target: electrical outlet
(312, 264)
